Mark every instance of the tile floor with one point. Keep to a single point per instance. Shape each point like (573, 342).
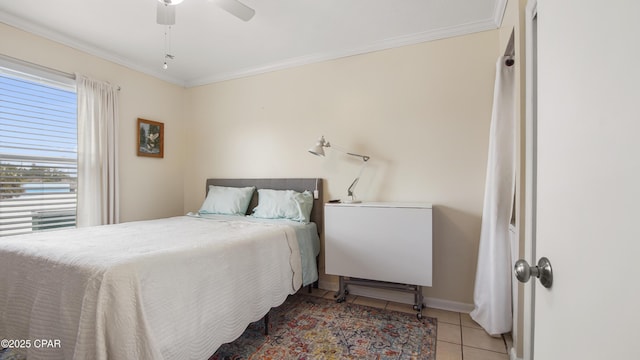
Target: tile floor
(459, 337)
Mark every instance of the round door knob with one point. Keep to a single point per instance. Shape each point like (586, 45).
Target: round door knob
(522, 270)
(542, 271)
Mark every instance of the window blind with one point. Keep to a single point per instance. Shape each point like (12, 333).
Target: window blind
(38, 153)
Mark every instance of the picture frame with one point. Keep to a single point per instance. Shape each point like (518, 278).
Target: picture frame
(150, 141)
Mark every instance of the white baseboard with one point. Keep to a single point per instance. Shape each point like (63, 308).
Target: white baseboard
(396, 296)
(449, 305)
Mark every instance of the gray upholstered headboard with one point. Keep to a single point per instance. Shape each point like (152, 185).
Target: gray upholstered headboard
(311, 184)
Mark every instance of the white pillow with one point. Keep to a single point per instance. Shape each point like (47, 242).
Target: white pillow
(227, 200)
(284, 204)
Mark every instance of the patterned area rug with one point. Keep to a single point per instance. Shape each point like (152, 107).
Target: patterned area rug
(307, 327)
(7, 354)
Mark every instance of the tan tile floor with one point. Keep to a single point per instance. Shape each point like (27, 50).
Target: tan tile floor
(459, 337)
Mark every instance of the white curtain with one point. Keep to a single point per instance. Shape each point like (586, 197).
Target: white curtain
(492, 293)
(97, 152)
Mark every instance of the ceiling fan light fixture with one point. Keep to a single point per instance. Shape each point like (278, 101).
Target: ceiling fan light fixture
(170, 2)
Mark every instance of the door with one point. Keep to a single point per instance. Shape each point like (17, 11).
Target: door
(583, 192)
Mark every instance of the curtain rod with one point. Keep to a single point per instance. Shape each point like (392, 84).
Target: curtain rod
(56, 72)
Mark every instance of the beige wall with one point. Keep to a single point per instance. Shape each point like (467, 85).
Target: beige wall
(421, 112)
(150, 188)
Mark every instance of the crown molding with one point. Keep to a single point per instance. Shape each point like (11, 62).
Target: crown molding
(464, 29)
(498, 12)
(410, 39)
(54, 35)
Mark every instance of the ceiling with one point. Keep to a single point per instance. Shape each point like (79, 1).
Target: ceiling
(212, 45)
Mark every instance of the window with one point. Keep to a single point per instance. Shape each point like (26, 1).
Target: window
(38, 150)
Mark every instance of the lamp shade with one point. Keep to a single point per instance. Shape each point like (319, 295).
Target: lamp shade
(318, 148)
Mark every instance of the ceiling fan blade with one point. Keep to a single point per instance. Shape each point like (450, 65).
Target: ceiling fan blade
(237, 9)
(166, 14)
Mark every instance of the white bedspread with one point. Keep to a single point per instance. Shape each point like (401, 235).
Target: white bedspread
(174, 288)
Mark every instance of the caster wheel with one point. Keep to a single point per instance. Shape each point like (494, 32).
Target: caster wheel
(346, 292)
(419, 316)
(415, 307)
(339, 300)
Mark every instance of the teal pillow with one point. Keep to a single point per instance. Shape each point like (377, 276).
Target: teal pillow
(227, 200)
(284, 204)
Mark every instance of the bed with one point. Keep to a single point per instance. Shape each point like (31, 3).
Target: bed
(174, 288)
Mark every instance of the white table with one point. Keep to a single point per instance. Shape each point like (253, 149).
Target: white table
(385, 245)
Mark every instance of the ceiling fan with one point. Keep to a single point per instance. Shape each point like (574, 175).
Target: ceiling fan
(167, 12)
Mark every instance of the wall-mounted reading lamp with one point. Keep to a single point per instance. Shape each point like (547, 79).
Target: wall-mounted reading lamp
(318, 149)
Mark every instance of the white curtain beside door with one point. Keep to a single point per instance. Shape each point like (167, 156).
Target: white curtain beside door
(492, 293)
(97, 152)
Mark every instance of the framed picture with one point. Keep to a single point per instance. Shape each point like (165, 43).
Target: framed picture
(150, 138)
